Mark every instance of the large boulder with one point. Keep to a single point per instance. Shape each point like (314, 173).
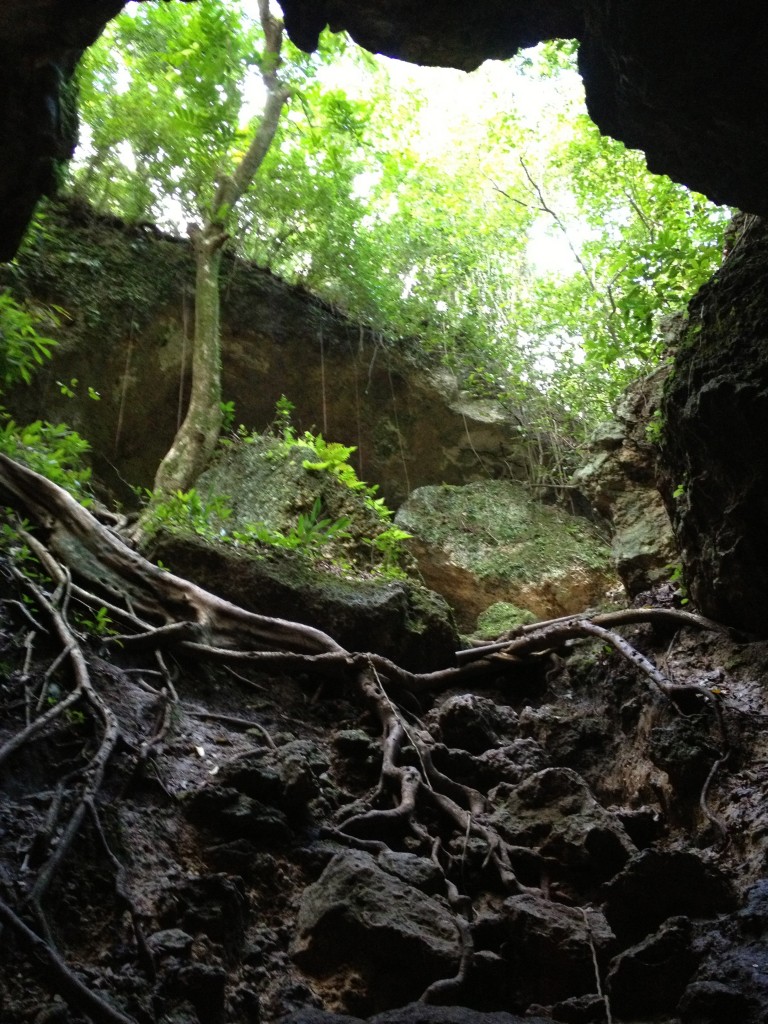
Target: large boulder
(551, 947)
(555, 812)
(331, 586)
(362, 921)
(491, 541)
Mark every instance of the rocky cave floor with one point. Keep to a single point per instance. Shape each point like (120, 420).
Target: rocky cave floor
(238, 874)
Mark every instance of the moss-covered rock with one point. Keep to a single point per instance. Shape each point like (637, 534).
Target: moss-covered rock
(488, 542)
(344, 587)
(501, 617)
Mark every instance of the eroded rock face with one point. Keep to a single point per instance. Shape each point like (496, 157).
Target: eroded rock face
(714, 456)
(361, 920)
(651, 976)
(555, 811)
(620, 481)
(438, 32)
(127, 291)
(550, 946)
(681, 884)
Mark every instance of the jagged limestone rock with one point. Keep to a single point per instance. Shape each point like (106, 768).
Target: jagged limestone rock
(360, 917)
(555, 810)
(713, 455)
(620, 479)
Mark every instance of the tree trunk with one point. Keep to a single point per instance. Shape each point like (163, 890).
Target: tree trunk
(196, 438)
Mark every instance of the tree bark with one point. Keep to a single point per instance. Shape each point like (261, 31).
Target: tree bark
(196, 438)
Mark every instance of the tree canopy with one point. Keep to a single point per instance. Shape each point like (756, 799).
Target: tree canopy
(480, 216)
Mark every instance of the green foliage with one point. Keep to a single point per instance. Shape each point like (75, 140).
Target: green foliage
(23, 348)
(431, 237)
(51, 449)
(333, 458)
(329, 456)
(655, 428)
(502, 617)
(68, 390)
(54, 450)
(282, 424)
(11, 540)
(310, 533)
(187, 512)
(228, 415)
(162, 93)
(676, 576)
(99, 624)
(389, 546)
(377, 505)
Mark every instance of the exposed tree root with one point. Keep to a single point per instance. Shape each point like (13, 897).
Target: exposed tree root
(59, 976)
(160, 612)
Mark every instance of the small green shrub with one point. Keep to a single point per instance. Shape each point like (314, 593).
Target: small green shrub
(677, 577)
(23, 348)
(654, 428)
(389, 545)
(282, 425)
(53, 450)
(188, 512)
(100, 623)
(310, 533)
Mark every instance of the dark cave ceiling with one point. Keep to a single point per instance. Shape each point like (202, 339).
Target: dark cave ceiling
(684, 81)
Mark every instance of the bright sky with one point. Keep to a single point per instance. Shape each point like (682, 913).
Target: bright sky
(455, 100)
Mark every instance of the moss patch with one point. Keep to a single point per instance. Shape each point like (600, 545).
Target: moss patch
(501, 618)
(497, 530)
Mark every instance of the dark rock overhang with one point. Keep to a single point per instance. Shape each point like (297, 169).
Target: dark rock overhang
(685, 81)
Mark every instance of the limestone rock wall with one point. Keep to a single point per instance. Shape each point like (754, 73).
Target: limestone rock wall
(620, 479)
